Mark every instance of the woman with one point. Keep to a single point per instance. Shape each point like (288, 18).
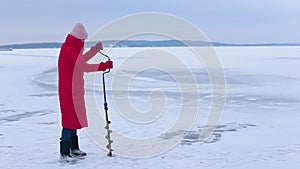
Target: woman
(72, 64)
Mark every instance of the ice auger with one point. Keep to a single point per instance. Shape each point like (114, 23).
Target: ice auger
(108, 136)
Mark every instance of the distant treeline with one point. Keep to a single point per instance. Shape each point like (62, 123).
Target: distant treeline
(142, 43)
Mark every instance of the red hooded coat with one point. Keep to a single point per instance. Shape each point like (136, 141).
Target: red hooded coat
(71, 67)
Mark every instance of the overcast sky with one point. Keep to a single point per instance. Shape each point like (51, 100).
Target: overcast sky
(235, 21)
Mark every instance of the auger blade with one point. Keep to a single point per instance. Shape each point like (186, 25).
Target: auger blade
(108, 147)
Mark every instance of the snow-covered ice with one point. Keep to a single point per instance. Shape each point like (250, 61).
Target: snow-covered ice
(259, 127)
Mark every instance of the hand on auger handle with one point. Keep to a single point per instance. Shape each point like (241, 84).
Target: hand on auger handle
(108, 137)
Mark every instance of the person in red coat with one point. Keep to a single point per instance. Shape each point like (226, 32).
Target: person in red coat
(72, 63)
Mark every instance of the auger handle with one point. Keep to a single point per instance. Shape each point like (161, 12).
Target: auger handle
(108, 58)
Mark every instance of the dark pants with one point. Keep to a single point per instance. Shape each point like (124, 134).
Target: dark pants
(68, 134)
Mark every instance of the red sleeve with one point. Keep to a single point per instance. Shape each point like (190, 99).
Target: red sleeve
(80, 62)
(89, 54)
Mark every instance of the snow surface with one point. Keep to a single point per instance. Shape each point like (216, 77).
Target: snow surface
(259, 127)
